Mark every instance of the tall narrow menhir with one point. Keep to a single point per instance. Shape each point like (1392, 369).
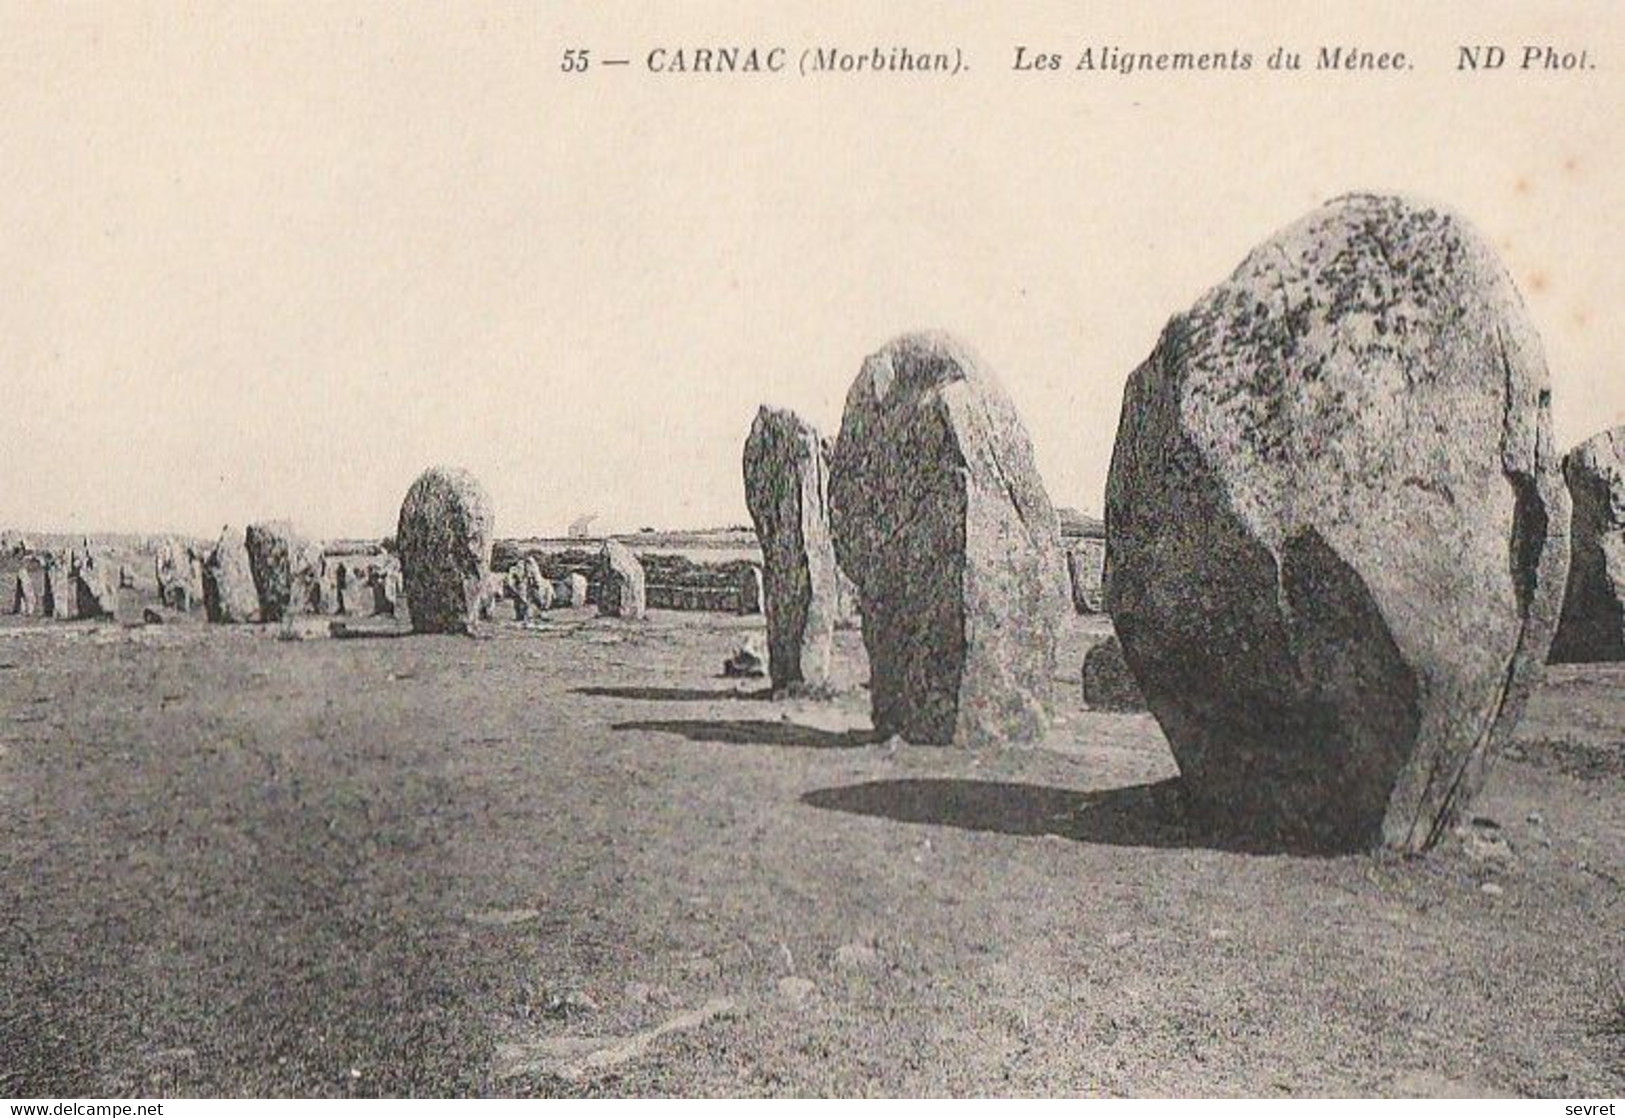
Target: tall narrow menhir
(942, 521)
(787, 492)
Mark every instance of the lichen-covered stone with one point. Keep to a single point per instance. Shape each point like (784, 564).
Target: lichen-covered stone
(787, 493)
(1337, 533)
(941, 520)
(444, 539)
(1593, 621)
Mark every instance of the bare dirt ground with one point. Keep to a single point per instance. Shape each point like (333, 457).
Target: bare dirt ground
(573, 860)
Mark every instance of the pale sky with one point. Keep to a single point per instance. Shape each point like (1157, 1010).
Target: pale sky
(272, 259)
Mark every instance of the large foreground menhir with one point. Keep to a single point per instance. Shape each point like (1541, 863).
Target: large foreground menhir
(1337, 530)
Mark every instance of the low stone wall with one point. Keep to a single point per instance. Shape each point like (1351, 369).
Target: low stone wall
(674, 582)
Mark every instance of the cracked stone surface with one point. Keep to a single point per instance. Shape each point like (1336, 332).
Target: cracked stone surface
(942, 522)
(1337, 530)
(1593, 622)
(787, 492)
(444, 541)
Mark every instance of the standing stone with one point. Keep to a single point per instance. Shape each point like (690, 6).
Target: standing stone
(787, 492)
(514, 587)
(179, 576)
(1108, 684)
(24, 602)
(229, 596)
(321, 583)
(288, 571)
(1085, 568)
(493, 592)
(390, 589)
(444, 539)
(1593, 623)
(194, 569)
(1336, 530)
(539, 589)
(752, 589)
(61, 600)
(942, 521)
(95, 586)
(356, 597)
(571, 590)
(621, 590)
(530, 592)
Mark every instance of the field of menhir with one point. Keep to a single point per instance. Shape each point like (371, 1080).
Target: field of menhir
(1298, 773)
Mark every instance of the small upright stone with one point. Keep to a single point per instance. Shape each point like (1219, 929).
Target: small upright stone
(24, 602)
(229, 596)
(531, 593)
(571, 590)
(1336, 529)
(357, 596)
(321, 583)
(1108, 684)
(1085, 568)
(493, 592)
(787, 493)
(387, 583)
(621, 587)
(444, 539)
(172, 571)
(61, 601)
(752, 589)
(1593, 623)
(942, 521)
(95, 585)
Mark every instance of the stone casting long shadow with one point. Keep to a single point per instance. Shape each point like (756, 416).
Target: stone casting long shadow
(755, 732)
(673, 694)
(1145, 815)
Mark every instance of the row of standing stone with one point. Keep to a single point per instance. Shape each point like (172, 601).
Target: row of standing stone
(266, 573)
(1337, 534)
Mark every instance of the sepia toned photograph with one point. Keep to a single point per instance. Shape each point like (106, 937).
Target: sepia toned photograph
(665, 550)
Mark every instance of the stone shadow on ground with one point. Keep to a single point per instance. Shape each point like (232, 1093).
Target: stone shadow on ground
(1143, 815)
(755, 732)
(672, 694)
(344, 633)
